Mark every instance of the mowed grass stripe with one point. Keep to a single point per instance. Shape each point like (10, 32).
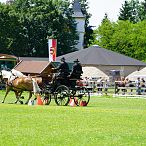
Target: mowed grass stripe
(105, 121)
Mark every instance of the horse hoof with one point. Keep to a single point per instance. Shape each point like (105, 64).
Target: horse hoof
(22, 97)
(21, 102)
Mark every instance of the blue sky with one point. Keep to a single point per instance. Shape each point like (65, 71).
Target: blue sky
(99, 7)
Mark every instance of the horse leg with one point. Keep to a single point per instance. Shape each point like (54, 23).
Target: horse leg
(18, 95)
(7, 91)
(30, 95)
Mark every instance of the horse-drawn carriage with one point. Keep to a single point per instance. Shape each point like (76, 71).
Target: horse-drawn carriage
(59, 89)
(62, 90)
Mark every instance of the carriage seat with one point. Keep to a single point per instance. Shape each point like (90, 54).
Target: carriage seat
(75, 79)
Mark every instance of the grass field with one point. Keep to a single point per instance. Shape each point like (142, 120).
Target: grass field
(106, 121)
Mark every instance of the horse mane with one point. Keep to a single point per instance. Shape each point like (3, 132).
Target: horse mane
(17, 73)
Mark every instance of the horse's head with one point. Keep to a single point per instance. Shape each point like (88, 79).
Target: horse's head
(0, 75)
(5, 75)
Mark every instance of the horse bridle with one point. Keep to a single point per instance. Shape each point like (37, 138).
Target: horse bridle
(1, 78)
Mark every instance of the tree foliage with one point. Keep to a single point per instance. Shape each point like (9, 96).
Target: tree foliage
(127, 35)
(123, 37)
(26, 26)
(38, 20)
(9, 28)
(133, 10)
(42, 19)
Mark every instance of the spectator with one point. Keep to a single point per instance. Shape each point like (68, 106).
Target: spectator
(120, 83)
(142, 82)
(137, 83)
(86, 80)
(105, 85)
(126, 82)
(99, 85)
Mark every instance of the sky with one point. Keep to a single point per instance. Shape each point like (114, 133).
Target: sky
(98, 8)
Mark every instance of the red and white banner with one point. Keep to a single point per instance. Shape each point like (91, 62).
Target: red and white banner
(52, 46)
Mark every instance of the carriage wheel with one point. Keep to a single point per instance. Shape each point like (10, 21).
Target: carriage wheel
(82, 96)
(62, 95)
(46, 97)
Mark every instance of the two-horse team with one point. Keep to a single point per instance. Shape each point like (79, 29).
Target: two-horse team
(18, 82)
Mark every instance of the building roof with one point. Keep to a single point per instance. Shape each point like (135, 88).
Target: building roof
(37, 67)
(7, 57)
(77, 9)
(31, 66)
(33, 59)
(96, 55)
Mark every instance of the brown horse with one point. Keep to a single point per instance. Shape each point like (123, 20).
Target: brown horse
(18, 85)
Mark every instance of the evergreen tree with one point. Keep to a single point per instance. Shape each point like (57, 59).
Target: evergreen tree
(131, 11)
(142, 10)
(125, 11)
(135, 6)
(104, 33)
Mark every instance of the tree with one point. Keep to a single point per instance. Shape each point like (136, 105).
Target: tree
(9, 27)
(131, 10)
(104, 33)
(135, 6)
(125, 11)
(142, 10)
(33, 21)
(30, 22)
(41, 19)
(123, 37)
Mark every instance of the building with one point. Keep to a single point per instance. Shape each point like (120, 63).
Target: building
(105, 60)
(7, 61)
(80, 20)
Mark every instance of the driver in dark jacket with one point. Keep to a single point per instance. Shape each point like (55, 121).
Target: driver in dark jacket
(63, 69)
(76, 70)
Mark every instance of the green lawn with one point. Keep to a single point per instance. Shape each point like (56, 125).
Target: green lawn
(106, 121)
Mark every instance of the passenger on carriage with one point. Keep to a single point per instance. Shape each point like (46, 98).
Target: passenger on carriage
(76, 70)
(63, 69)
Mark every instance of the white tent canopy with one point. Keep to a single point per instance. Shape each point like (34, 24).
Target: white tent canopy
(142, 74)
(93, 72)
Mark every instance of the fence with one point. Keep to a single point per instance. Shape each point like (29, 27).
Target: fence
(112, 88)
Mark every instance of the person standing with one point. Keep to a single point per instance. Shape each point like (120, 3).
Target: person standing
(137, 83)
